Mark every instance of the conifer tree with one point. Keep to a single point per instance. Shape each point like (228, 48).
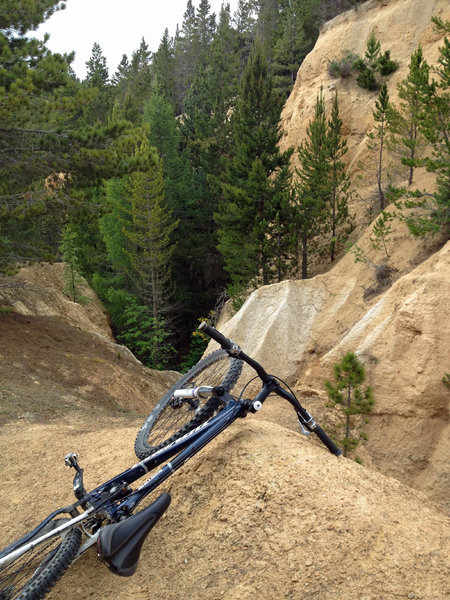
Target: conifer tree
(432, 210)
(122, 71)
(112, 224)
(349, 374)
(293, 41)
(312, 186)
(97, 71)
(340, 192)
(384, 114)
(42, 134)
(97, 78)
(267, 24)
(135, 88)
(252, 194)
(73, 279)
(149, 236)
(206, 26)
(187, 50)
(163, 66)
(374, 64)
(245, 24)
(413, 95)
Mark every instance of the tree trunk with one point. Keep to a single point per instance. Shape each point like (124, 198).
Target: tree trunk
(304, 258)
(347, 417)
(380, 163)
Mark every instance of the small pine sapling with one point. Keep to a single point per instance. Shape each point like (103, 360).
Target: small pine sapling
(373, 65)
(346, 392)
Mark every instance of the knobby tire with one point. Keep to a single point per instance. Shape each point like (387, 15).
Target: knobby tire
(32, 575)
(168, 421)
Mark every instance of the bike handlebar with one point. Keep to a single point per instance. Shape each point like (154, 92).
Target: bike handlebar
(223, 341)
(235, 351)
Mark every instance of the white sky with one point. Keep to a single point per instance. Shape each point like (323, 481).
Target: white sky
(117, 25)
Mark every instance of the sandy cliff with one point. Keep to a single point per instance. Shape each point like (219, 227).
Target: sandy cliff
(401, 333)
(400, 25)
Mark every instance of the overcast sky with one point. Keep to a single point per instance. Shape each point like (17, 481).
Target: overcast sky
(117, 25)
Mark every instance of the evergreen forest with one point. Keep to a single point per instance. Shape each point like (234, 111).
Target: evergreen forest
(163, 183)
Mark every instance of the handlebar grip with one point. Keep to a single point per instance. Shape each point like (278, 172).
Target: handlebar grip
(226, 343)
(323, 437)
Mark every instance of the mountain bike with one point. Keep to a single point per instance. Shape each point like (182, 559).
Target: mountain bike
(200, 405)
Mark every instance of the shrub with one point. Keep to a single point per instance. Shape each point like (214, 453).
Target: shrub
(344, 66)
(386, 65)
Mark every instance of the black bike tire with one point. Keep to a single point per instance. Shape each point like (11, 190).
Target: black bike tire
(142, 447)
(42, 580)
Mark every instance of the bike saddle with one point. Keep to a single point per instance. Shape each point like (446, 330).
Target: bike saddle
(119, 544)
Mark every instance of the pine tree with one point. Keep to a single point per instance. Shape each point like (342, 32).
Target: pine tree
(42, 137)
(252, 194)
(149, 236)
(117, 217)
(412, 92)
(163, 66)
(432, 210)
(97, 71)
(293, 41)
(349, 374)
(384, 115)
(187, 50)
(245, 24)
(206, 26)
(340, 182)
(134, 90)
(72, 277)
(122, 71)
(312, 187)
(267, 24)
(374, 65)
(97, 78)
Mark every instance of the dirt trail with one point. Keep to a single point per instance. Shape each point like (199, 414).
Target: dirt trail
(261, 513)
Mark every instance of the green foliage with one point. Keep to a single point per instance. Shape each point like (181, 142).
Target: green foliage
(344, 66)
(146, 336)
(366, 78)
(72, 274)
(381, 231)
(322, 190)
(386, 65)
(431, 212)
(255, 185)
(197, 347)
(374, 66)
(294, 33)
(407, 137)
(384, 115)
(340, 223)
(46, 137)
(311, 189)
(346, 392)
(148, 235)
(446, 379)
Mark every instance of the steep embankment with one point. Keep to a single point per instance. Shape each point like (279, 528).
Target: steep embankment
(58, 356)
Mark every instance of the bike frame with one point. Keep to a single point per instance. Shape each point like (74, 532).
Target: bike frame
(103, 498)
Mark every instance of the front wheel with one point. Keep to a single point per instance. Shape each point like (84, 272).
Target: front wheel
(171, 418)
(32, 575)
